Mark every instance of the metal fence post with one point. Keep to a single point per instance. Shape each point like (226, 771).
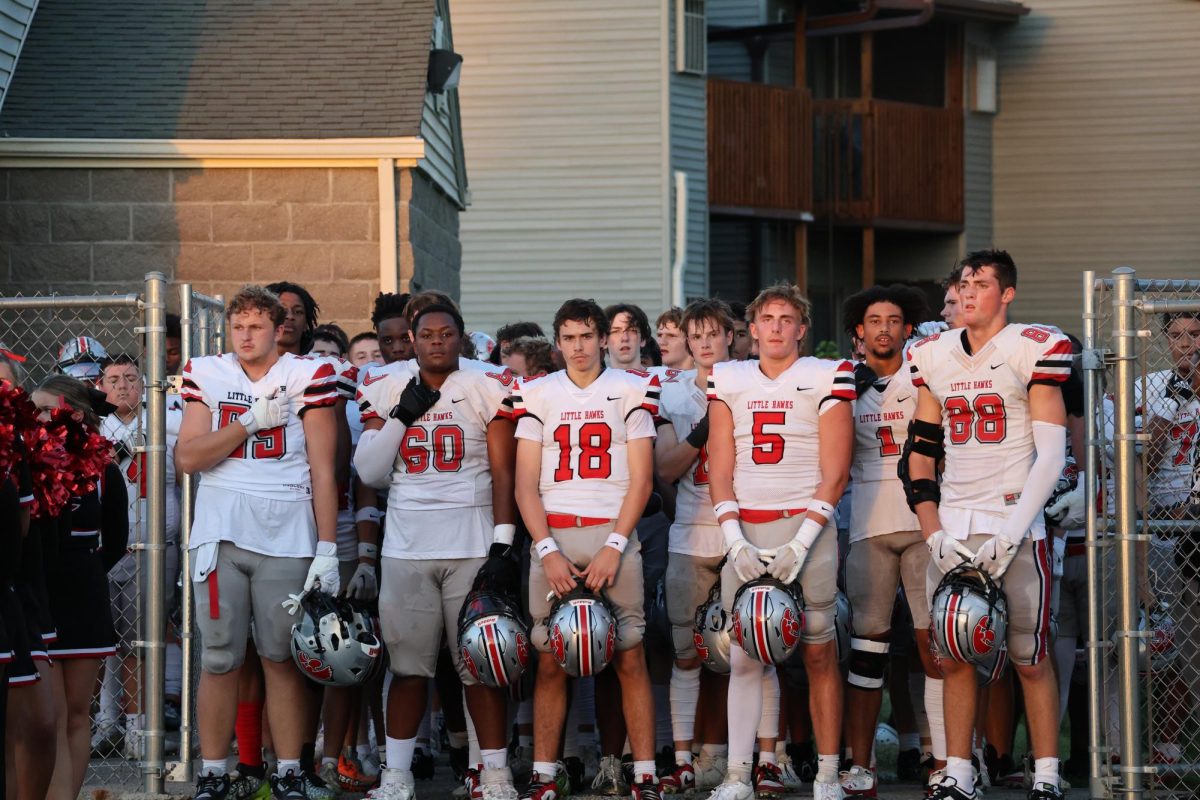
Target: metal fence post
(1093, 364)
(1125, 458)
(154, 556)
(186, 623)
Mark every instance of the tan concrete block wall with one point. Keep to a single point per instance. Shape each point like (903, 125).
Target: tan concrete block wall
(100, 230)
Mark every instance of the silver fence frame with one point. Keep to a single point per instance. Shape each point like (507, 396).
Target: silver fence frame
(196, 334)
(1130, 328)
(152, 556)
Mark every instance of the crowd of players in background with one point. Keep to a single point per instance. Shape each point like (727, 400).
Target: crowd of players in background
(364, 436)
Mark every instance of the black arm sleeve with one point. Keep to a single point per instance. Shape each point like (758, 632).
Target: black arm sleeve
(114, 517)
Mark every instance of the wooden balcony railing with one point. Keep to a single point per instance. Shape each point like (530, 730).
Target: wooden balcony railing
(888, 164)
(759, 149)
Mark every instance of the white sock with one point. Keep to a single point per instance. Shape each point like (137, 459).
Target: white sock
(1045, 770)
(546, 769)
(133, 722)
(683, 756)
(745, 706)
(685, 693)
(767, 757)
(494, 759)
(473, 756)
(215, 767)
(961, 770)
(641, 768)
(110, 693)
(400, 753)
(287, 765)
(780, 749)
(328, 760)
(937, 717)
(715, 750)
(827, 768)
(768, 722)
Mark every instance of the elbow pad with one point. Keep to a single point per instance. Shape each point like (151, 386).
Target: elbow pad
(931, 444)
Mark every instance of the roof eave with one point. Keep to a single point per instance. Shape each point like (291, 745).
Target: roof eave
(995, 11)
(32, 151)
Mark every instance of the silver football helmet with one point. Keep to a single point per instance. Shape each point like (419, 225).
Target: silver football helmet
(989, 668)
(81, 357)
(711, 633)
(329, 645)
(493, 639)
(968, 615)
(768, 619)
(583, 632)
(1158, 650)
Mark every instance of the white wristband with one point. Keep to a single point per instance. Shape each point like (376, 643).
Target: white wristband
(368, 550)
(810, 529)
(504, 534)
(326, 548)
(725, 507)
(821, 507)
(732, 529)
(546, 546)
(368, 514)
(617, 542)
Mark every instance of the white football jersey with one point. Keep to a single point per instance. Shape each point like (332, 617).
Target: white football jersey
(775, 426)
(682, 405)
(985, 414)
(272, 463)
(130, 439)
(585, 435)
(1170, 398)
(442, 478)
(881, 416)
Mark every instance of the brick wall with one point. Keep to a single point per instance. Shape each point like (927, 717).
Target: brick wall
(79, 231)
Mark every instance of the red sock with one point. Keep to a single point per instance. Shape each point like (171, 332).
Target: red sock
(249, 733)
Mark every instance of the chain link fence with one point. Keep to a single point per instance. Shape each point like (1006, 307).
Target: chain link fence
(1142, 360)
(73, 334)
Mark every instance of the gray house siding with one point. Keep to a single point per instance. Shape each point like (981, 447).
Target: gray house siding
(977, 166)
(15, 16)
(564, 123)
(441, 124)
(689, 143)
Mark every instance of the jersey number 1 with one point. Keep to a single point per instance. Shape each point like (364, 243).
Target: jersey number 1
(595, 460)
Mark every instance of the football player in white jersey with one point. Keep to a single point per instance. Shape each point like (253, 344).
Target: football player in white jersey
(261, 431)
(628, 332)
(443, 436)
(672, 338)
(989, 396)
(585, 467)
(781, 435)
(695, 544)
(886, 545)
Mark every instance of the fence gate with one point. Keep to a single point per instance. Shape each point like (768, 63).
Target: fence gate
(38, 328)
(1142, 362)
(202, 321)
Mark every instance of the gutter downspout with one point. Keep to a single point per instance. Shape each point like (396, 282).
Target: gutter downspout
(681, 238)
(389, 278)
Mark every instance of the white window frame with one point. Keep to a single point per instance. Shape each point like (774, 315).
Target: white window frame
(983, 79)
(691, 37)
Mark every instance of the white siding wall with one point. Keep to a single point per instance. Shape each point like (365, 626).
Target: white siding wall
(689, 143)
(563, 117)
(1097, 155)
(15, 16)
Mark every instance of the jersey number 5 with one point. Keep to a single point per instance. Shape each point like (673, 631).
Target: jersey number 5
(595, 460)
(982, 418)
(264, 444)
(768, 447)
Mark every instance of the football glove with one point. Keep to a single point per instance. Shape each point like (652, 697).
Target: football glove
(747, 561)
(265, 413)
(415, 400)
(947, 552)
(363, 584)
(323, 571)
(995, 556)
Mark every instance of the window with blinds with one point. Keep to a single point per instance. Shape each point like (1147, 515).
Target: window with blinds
(691, 37)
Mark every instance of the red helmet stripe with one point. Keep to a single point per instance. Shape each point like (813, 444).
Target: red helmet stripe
(497, 662)
(950, 626)
(582, 612)
(760, 628)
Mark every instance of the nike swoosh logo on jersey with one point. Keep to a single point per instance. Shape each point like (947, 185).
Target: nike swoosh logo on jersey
(458, 400)
(803, 388)
(369, 379)
(997, 366)
(615, 398)
(902, 399)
